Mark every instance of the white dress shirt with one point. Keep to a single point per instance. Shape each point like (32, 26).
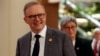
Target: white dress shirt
(74, 41)
(93, 44)
(42, 33)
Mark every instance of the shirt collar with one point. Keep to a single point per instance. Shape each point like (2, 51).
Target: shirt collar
(74, 41)
(42, 33)
(94, 40)
(93, 43)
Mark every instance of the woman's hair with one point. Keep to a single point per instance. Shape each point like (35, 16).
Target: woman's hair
(67, 19)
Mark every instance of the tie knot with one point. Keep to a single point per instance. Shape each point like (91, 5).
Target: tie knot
(37, 36)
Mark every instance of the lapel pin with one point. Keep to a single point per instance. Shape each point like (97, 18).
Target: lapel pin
(50, 39)
(77, 48)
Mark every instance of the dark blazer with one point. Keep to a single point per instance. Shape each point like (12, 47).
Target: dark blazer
(59, 46)
(83, 47)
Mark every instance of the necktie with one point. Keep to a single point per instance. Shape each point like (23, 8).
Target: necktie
(95, 49)
(36, 46)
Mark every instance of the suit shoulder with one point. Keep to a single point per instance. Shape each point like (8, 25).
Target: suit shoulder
(55, 31)
(82, 40)
(25, 36)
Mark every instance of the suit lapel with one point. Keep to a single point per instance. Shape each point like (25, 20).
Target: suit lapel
(77, 47)
(27, 44)
(48, 43)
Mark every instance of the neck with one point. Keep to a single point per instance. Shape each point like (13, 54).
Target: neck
(73, 38)
(36, 31)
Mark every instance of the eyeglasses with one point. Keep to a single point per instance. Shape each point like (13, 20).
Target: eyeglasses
(40, 16)
(72, 27)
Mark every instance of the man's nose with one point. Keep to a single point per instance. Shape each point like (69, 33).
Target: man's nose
(37, 17)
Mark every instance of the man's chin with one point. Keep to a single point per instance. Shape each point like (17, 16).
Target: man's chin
(38, 28)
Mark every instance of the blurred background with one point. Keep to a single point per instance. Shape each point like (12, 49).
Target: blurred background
(12, 25)
(87, 14)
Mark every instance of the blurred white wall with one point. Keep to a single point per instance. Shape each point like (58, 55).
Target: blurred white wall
(12, 25)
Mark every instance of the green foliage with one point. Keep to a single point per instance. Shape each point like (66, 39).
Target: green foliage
(93, 8)
(89, 27)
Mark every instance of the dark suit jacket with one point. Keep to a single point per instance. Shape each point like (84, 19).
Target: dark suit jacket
(59, 46)
(83, 47)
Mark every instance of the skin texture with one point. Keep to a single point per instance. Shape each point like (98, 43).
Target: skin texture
(97, 34)
(70, 28)
(36, 23)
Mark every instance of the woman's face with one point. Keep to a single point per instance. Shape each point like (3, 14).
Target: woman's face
(70, 28)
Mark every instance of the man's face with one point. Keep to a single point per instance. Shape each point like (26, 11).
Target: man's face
(97, 35)
(70, 28)
(35, 17)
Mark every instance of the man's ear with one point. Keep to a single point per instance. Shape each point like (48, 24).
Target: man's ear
(25, 20)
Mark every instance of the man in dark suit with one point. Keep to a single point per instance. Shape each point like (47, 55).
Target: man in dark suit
(81, 46)
(95, 43)
(50, 42)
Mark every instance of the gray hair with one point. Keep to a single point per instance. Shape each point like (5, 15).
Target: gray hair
(96, 29)
(67, 19)
(29, 4)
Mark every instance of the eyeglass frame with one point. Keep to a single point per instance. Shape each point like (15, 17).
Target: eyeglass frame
(72, 27)
(40, 16)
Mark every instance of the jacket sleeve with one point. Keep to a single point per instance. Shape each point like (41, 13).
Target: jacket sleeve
(68, 47)
(17, 49)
